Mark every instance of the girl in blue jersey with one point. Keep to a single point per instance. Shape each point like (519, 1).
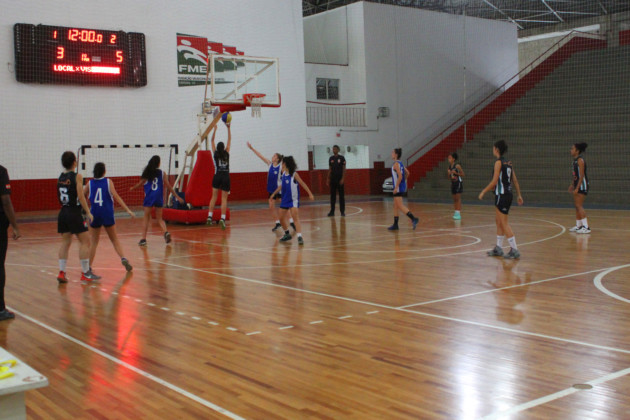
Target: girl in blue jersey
(101, 194)
(273, 182)
(154, 182)
(456, 175)
(579, 188)
(400, 174)
(290, 197)
(221, 179)
(502, 180)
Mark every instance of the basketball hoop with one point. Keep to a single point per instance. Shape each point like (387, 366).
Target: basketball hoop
(255, 102)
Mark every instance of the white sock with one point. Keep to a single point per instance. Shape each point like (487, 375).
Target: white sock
(85, 265)
(223, 216)
(512, 242)
(578, 223)
(299, 235)
(277, 222)
(584, 222)
(62, 265)
(210, 215)
(500, 241)
(457, 212)
(291, 220)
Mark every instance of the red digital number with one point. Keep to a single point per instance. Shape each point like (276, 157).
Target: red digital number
(119, 56)
(60, 53)
(83, 36)
(112, 39)
(54, 34)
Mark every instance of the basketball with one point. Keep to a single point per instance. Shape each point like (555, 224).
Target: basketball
(226, 117)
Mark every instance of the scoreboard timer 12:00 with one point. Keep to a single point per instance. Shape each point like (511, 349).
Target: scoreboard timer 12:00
(68, 55)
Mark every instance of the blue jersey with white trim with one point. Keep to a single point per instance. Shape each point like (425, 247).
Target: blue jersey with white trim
(101, 200)
(403, 183)
(273, 178)
(154, 191)
(504, 184)
(290, 191)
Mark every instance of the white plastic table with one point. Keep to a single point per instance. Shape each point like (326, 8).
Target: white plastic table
(12, 389)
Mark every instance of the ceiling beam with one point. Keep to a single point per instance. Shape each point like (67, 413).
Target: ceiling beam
(552, 10)
(501, 11)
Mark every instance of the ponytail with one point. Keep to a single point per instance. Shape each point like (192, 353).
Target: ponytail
(151, 170)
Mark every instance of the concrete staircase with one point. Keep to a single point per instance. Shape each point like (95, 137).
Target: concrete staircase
(586, 99)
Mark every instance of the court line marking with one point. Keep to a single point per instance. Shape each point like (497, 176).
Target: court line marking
(504, 288)
(555, 396)
(378, 305)
(134, 369)
(422, 257)
(598, 283)
(475, 242)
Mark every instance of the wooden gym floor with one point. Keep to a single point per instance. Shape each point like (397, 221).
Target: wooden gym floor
(358, 323)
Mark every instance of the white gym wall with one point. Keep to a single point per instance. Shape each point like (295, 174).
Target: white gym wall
(39, 122)
(421, 64)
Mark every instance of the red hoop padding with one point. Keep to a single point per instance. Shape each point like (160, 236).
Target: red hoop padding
(198, 194)
(231, 107)
(199, 186)
(247, 97)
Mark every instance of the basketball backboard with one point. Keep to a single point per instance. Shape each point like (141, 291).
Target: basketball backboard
(232, 76)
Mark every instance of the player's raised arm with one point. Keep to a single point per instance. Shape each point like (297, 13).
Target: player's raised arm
(229, 140)
(257, 153)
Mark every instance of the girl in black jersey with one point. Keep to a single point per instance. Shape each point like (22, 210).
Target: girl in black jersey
(456, 175)
(502, 181)
(221, 180)
(70, 221)
(579, 188)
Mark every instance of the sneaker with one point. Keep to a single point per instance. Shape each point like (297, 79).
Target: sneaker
(125, 262)
(210, 222)
(222, 223)
(167, 237)
(276, 227)
(414, 223)
(4, 315)
(583, 229)
(512, 255)
(495, 252)
(331, 214)
(61, 277)
(300, 240)
(293, 227)
(89, 277)
(143, 242)
(457, 216)
(286, 237)
(575, 229)
(393, 227)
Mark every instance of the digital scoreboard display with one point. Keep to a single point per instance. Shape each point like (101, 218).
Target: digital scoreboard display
(66, 55)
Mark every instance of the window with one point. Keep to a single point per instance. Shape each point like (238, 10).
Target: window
(328, 89)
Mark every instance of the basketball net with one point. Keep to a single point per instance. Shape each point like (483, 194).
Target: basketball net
(256, 105)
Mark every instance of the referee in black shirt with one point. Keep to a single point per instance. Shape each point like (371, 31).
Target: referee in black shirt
(7, 217)
(336, 175)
